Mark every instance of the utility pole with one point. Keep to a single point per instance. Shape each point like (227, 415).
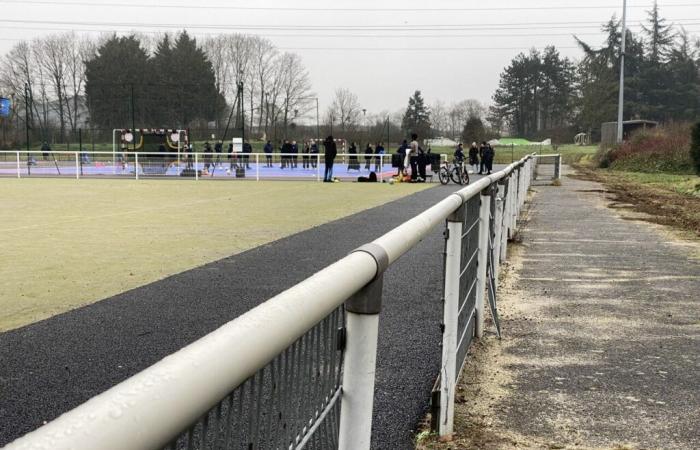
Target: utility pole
(133, 121)
(240, 94)
(364, 119)
(621, 98)
(318, 129)
(26, 114)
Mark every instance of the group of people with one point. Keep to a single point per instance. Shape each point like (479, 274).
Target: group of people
(290, 152)
(371, 152)
(414, 156)
(480, 157)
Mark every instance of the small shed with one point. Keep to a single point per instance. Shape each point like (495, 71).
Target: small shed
(608, 131)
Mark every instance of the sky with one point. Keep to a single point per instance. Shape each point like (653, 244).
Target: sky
(382, 50)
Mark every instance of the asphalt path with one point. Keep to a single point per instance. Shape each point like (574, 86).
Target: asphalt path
(52, 366)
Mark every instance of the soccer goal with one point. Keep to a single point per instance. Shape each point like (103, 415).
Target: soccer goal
(161, 146)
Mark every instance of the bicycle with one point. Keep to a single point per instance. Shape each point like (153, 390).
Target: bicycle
(458, 173)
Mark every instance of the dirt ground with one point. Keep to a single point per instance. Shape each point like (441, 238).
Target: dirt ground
(663, 206)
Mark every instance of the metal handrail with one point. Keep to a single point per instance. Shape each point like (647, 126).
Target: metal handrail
(149, 409)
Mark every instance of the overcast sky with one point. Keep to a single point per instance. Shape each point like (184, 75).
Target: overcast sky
(382, 50)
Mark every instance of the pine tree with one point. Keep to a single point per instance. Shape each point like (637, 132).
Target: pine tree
(473, 131)
(119, 68)
(659, 35)
(417, 117)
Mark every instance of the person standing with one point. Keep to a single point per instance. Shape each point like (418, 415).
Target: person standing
(247, 150)
(45, 149)
(489, 154)
(482, 148)
(368, 156)
(305, 156)
(412, 157)
(378, 151)
(402, 156)
(268, 154)
(474, 157)
(286, 154)
(218, 147)
(329, 158)
(207, 156)
(353, 163)
(295, 151)
(314, 152)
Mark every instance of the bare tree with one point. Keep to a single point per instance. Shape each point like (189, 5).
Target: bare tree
(295, 86)
(345, 109)
(51, 54)
(439, 118)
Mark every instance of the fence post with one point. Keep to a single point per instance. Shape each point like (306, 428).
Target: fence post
(359, 365)
(505, 222)
(196, 165)
(557, 167)
(18, 170)
(381, 168)
(498, 231)
(450, 338)
(484, 248)
(136, 165)
(77, 166)
(257, 167)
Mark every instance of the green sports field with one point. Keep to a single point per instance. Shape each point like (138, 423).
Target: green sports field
(68, 243)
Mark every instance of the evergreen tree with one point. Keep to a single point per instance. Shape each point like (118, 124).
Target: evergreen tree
(187, 77)
(659, 36)
(417, 117)
(118, 69)
(535, 92)
(473, 131)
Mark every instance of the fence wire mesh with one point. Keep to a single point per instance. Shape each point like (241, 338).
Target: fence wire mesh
(468, 279)
(292, 403)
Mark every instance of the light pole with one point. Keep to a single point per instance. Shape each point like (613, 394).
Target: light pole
(621, 98)
(364, 120)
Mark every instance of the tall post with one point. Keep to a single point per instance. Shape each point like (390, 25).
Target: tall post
(26, 115)
(360, 360)
(318, 125)
(621, 97)
(450, 338)
(242, 109)
(133, 119)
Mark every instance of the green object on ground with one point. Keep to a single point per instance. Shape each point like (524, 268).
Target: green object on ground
(69, 243)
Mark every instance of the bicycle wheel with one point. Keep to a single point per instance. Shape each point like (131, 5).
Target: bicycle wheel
(465, 176)
(455, 175)
(443, 176)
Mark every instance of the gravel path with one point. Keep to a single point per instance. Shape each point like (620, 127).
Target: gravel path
(52, 366)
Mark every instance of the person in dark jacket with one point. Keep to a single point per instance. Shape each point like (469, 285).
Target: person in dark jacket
(474, 157)
(378, 150)
(459, 153)
(482, 148)
(314, 152)
(402, 153)
(305, 156)
(286, 157)
(268, 154)
(45, 149)
(295, 151)
(487, 158)
(207, 156)
(368, 156)
(353, 163)
(247, 150)
(329, 158)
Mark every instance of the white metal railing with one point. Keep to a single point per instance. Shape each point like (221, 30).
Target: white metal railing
(150, 409)
(196, 165)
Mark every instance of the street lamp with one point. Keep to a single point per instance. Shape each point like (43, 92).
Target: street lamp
(364, 120)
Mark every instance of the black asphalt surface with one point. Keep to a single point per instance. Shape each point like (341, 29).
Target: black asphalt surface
(52, 366)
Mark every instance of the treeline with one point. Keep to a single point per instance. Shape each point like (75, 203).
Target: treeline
(70, 82)
(542, 94)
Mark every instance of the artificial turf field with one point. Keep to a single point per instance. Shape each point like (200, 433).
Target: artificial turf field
(68, 243)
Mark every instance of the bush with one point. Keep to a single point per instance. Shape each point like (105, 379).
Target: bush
(662, 149)
(695, 147)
